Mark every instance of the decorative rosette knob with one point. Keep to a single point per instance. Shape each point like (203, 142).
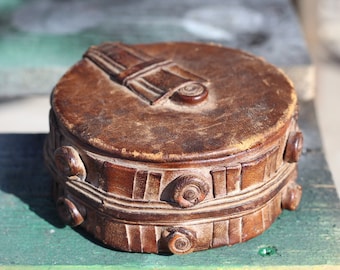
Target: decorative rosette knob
(189, 190)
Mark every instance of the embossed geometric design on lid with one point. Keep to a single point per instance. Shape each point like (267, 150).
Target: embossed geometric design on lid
(249, 101)
(152, 79)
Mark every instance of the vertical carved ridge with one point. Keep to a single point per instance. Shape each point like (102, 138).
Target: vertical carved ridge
(128, 237)
(234, 178)
(253, 172)
(119, 179)
(139, 184)
(273, 160)
(134, 238)
(220, 233)
(235, 231)
(153, 186)
(219, 182)
(263, 214)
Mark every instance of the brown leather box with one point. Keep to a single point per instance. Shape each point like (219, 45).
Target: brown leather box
(173, 147)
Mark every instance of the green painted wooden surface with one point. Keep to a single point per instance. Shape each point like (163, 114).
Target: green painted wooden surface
(31, 234)
(60, 31)
(41, 39)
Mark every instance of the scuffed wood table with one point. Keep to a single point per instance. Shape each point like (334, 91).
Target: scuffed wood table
(31, 234)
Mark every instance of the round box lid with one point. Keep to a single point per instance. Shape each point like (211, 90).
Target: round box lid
(170, 102)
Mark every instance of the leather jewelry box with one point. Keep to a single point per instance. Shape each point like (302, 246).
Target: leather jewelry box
(173, 147)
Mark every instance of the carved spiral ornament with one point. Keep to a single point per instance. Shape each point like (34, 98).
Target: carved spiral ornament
(294, 147)
(291, 197)
(68, 212)
(181, 241)
(192, 93)
(189, 190)
(69, 163)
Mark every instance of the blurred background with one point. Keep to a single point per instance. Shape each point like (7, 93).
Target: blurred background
(39, 40)
(321, 26)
